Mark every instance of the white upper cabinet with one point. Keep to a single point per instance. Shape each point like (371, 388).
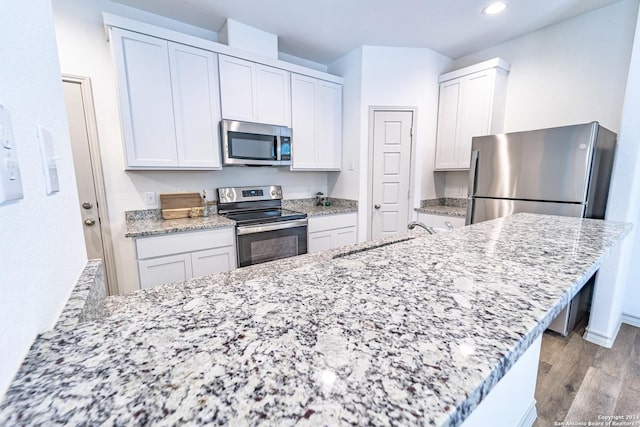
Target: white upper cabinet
(253, 92)
(196, 106)
(168, 95)
(471, 104)
(316, 122)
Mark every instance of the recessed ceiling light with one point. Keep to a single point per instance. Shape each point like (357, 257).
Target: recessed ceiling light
(495, 7)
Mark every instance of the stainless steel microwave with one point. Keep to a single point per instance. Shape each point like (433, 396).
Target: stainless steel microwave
(255, 144)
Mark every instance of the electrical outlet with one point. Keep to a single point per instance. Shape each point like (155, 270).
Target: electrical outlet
(150, 198)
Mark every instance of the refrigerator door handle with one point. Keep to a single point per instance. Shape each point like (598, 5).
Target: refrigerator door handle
(473, 171)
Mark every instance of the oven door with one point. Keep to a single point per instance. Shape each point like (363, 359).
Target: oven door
(268, 242)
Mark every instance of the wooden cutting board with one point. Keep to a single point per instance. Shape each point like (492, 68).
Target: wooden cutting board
(178, 205)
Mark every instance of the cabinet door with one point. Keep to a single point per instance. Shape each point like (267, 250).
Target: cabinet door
(237, 89)
(213, 261)
(476, 113)
(273, 96)
(320, 241)
(157, 271)
(448, 115)
(345, 236)
(144, 92)
(303, 122)
(329, 126)
(194, 80)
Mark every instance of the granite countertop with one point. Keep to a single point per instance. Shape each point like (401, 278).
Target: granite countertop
(308, 206)
(444, 206)
(413, 331)
(149, 222)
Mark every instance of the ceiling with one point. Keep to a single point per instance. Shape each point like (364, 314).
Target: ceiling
(324, 30)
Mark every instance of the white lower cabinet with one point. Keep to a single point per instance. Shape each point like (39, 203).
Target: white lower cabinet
(437, 221)
(182, 256)
(331, 231)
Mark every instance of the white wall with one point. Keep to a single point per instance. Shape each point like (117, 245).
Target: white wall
(388, 76)
(41, 242)
(622, 273)
(85, 51)
(568, 73)
(346, 183)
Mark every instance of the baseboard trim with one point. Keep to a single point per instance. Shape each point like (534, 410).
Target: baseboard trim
(600, 339)
(631, 319)
(530, 416)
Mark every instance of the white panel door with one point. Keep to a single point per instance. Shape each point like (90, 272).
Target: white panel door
(273, 95)
(448, 109)
(213, 261)
(194, 79)
(157, 271)
(391, 172)
(303, 121)
(144, 92)
(329, 125)
(237, 89)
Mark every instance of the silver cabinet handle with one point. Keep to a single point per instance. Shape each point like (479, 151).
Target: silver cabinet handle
(87, 205)
(449, 225)
(376, 206)
(89, 222)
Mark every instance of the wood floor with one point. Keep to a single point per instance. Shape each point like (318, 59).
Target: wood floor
(579, 381)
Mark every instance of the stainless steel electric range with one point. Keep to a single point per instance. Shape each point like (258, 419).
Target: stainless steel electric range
(264, 230)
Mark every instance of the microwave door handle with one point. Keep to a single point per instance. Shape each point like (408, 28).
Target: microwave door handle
(278, 147)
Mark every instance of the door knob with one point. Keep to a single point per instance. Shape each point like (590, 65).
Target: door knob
(376, 206)
(87, 205)
(89, 222)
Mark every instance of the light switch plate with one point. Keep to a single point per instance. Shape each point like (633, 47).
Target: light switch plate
(49, 167)
(10, 178)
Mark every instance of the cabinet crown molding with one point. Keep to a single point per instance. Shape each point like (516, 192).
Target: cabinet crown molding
(111, 20)
(481, 66)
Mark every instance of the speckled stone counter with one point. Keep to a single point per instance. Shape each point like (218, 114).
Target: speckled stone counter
(150, 222)
(309, 207)
(414, 331)
(444, 206)
(88, 298)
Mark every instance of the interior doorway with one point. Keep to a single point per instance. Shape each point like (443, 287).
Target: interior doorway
(89, 179)
(391, 147)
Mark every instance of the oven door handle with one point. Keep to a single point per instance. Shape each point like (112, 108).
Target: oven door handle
(252, 229)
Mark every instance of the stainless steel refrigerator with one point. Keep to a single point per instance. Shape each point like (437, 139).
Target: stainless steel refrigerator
(558, 171)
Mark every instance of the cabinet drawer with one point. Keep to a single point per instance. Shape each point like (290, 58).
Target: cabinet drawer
(149, 247)
(331, 222)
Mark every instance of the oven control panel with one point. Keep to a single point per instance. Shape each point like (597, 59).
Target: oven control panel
(252, 193)
(245, 194)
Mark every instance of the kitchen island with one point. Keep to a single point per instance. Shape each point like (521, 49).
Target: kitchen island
(409, 330)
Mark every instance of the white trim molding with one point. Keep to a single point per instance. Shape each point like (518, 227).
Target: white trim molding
(530, 416)
(601, 339)
(631, 319)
